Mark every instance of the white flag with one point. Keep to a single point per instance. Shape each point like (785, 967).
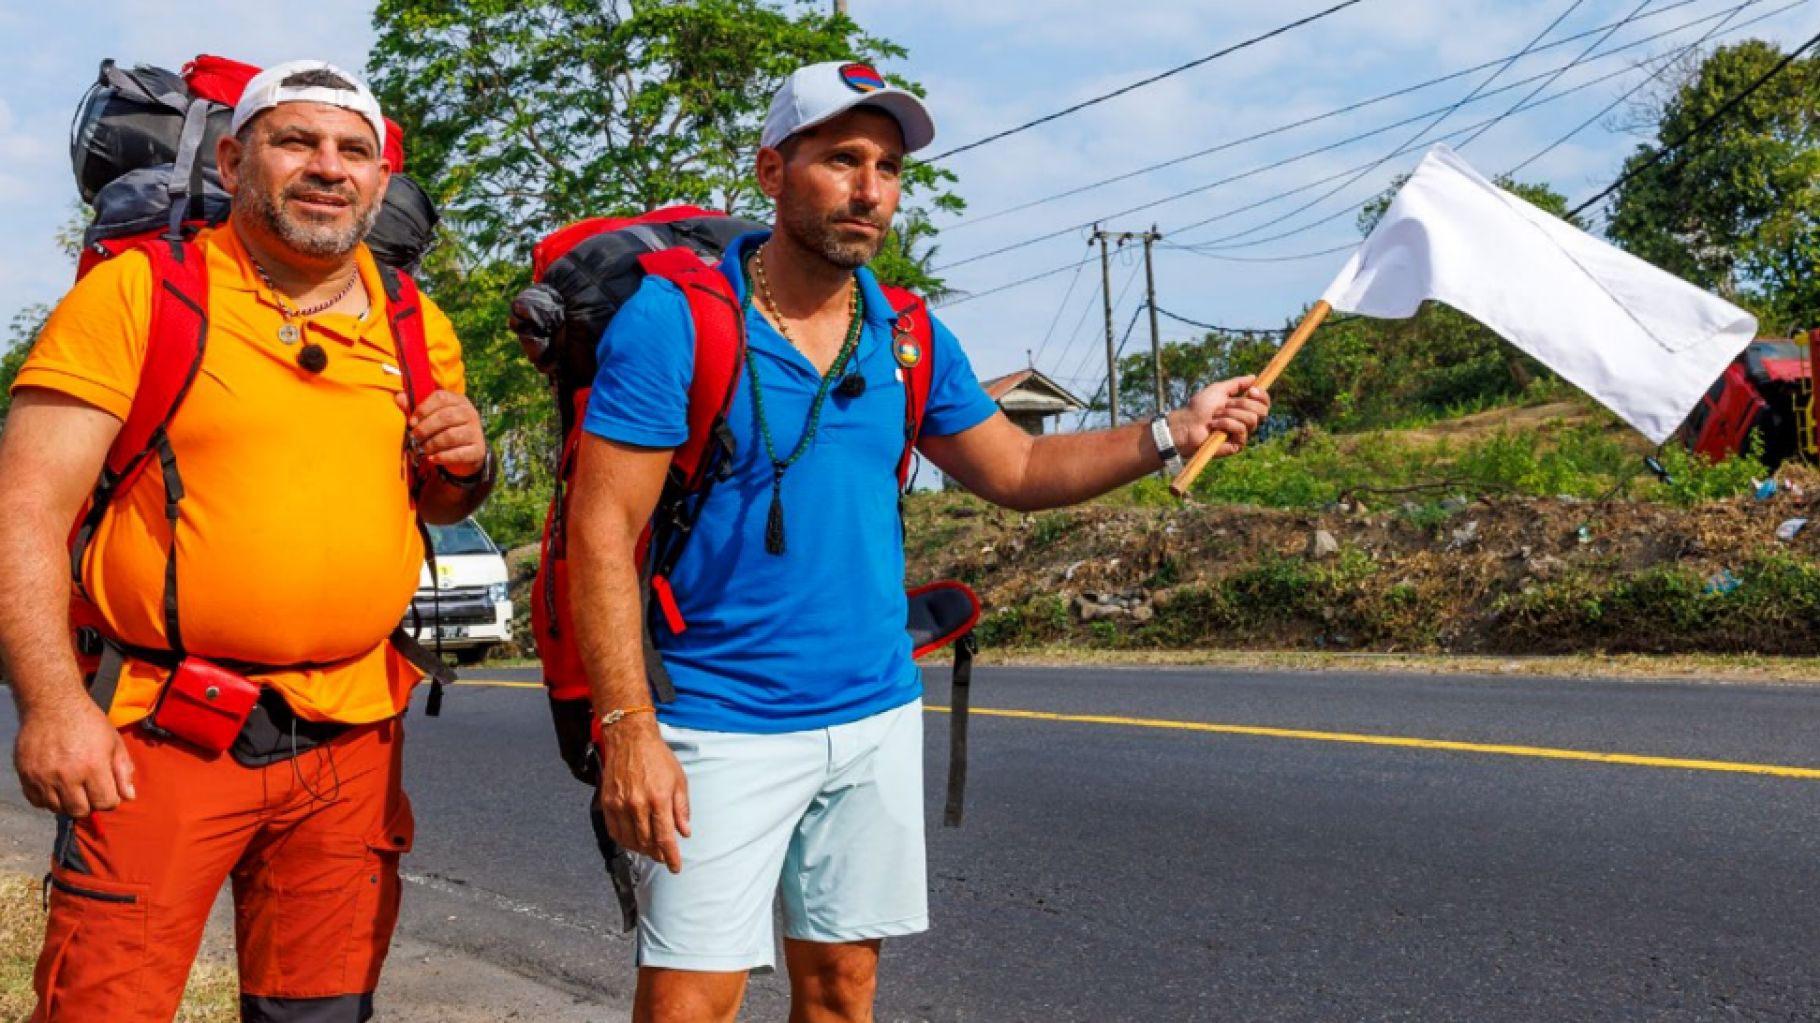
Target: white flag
(1642, 341)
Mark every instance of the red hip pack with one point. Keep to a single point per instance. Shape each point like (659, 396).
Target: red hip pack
(203, 704)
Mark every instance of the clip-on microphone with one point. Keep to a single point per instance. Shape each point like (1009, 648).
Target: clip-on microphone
(851, 386)
(313, 358)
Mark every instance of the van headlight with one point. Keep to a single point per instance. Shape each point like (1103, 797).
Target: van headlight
(496, 593)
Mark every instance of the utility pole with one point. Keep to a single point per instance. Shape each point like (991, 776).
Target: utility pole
(840, 6)
(1156, 345)
(1112, 356)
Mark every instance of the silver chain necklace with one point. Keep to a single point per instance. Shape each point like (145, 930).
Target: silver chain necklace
(289, 333)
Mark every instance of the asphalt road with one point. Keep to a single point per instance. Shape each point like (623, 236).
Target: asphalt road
(1288, 867)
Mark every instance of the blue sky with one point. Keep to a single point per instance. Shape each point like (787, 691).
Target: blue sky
(988, 66)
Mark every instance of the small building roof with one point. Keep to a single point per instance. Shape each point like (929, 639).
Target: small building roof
(1028, 390)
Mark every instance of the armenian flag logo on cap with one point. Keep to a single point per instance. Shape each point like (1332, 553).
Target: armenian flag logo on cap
(861, 78)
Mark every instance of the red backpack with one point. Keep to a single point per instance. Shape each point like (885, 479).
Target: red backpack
(695, 466)
(174, 349)
(582, 274)
(143, 153)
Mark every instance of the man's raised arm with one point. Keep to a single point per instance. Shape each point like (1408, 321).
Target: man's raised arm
(1003, 464)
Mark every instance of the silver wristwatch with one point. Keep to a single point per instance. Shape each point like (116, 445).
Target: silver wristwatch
(1165, 445)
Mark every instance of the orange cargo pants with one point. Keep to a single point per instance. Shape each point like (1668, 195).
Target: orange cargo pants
(311, 845)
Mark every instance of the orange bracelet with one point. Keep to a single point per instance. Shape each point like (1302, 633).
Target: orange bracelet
(612, 717)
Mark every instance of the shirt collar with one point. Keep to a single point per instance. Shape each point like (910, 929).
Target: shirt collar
(878, 311)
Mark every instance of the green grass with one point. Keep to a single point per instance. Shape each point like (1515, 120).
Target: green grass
(213, 994)
(1311, 468)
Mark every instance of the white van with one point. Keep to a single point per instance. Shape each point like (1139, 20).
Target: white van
(469, 610)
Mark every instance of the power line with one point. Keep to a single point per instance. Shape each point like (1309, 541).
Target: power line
(1087, 359)
(1064, 268)
(1216, 243)
(1309, 154)
(1696, 130)
(971, 221)
(1665, 64)
(1224, 330)
(1348, 247)
(1443, 116)
(1033, 278)
(1202, 247)
(1236, 47)
(1074, 335)
(1101, 389)
(1059, 309)
(1595, 44)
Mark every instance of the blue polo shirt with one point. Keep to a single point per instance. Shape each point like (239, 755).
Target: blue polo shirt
(813, 637)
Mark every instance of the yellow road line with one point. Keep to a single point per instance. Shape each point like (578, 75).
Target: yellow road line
(1539, 752)
(1542, 752)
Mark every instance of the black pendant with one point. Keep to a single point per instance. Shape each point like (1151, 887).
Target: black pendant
(774, 524)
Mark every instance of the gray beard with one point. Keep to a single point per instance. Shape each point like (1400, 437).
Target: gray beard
(318, 240)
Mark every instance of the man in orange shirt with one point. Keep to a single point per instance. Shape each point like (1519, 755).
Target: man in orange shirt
(304, 467)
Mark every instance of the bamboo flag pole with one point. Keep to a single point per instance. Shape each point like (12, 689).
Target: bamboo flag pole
(1268, 377)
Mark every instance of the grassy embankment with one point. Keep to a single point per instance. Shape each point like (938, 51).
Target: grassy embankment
(1513, 532)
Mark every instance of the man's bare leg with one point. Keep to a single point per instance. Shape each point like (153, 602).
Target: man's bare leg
(686, 996)
(832, 983)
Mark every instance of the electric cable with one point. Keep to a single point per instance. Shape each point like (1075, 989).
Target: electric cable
(1226, 242)
(1117, 355)
(1079, 325)
(1032, 279)
(1694, 132)
(1084, 104)
(1348, 247)
(1309, 154)
(1386, 158)
(1247, 207)
(1059, 308)
(970, 221)
(1662, 67)
(1087, 359)
(1261, 331)
(1634, 14)
(1545, 100)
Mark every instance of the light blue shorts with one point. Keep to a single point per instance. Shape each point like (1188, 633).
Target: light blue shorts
(830, 819)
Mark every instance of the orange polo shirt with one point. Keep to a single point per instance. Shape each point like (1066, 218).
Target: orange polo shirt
(297, 540)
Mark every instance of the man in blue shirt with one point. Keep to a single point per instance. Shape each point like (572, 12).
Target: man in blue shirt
(790, 760)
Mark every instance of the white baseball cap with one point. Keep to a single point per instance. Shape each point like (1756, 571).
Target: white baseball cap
(266, 90)
(821, 92)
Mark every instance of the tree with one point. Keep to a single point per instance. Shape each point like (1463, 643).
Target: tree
(521, 117)
(21, 332)
(524, 116)
(1737, 208)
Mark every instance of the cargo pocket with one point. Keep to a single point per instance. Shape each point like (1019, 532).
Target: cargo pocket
(379, 889)
(95, 946)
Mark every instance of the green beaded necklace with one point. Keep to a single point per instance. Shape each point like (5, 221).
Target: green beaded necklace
(774, 520)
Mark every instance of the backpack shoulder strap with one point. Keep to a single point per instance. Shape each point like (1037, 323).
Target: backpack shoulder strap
(913, 345)
(404, 311)
(174, 346)
(173, 351)
(720, 352)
